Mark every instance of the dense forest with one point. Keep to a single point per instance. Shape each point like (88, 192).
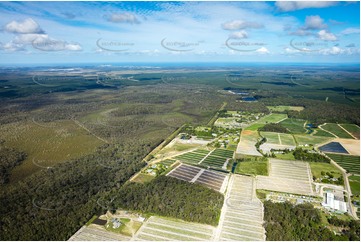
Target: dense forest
(167, 196)
(9, 158)
(318, 112)
(54, 203)
(284, 221)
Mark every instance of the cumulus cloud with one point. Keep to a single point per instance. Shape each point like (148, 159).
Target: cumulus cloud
(239, 35)
(123, 18)
(301, 32)
(314, 22)
(263, 50)
(335, 50)
(350, 31)
(28, 26)
(327, 36)
(240, 24)
(28, 32)
(297, 5)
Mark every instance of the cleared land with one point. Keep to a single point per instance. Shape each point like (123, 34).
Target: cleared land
(252, 166)
(285, 108)
(97, 233)
(210, 179)
(47, 144)
(246, 145)
(353, 129)
(287, 176)
(242, 214)
(350, 163)
(337, 130)
(166, 229)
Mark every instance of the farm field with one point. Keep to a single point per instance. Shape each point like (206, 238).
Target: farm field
(310, 140)
(287, 176)
(190, 157)
(278, 138)
(350, 163)
(168, 162)
(272, 118)
(246, 146)
(143, 178)
(337, 130)
(285, 108)
(353, 129)
(242, 214)
(222, 153)
(97, 233)
(252, 167)
(167, 229)
(47, 144)
(355, 185)
(214, 161)
(321, 133)
(210, 179)
(295, 126)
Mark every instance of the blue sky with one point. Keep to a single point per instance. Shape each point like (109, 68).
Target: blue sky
(82, 32)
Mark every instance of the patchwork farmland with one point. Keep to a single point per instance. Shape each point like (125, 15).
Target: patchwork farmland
(348, 162)
(336, 130)
(242, 213)
(279, 138)
(271, 118)
(310, 140)
(295, 126)
(287, 176)
(164, 229)
(191, 157)
(210, 179)
(215, 159)
(353, 129)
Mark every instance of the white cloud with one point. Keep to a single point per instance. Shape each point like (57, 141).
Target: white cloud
(239, 35)
(301, 32)
(48, 44)
(350, 31)
(314, 22)
(335, 50)
(30, 33)
(297, 5)
(240, 24)
(263, 50)
(327, 36)
(123, 18)
(28, 26)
